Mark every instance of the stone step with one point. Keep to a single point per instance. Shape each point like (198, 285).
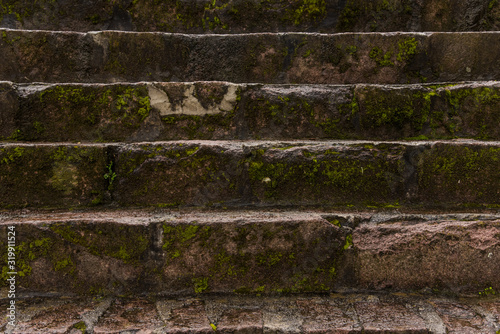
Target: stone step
(421, 175)
(383, 58)
(221, 16)
(336, 313)
(219, 110)
(183, 253)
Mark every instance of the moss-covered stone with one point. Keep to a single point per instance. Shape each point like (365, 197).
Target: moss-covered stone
(75, 257)
(246, 257)
(177, 173)
(337, 176)
(222, 16)
(266, 58)
(51, 176)
(222, 111)
(127, 243)
(366, 175)
(205, 253)
(460, 175)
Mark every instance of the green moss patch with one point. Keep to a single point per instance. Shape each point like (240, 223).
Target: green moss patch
(45, 176)
(325, 178)
(465, 174)
(248, 259)
(93, 113)
(124, 242)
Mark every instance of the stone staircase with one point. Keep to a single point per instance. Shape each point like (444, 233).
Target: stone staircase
(304, 166)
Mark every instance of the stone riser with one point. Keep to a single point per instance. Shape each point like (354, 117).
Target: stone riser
(217, 110)
(41, 56)
(253, 16)
(134, 253)
(413, 175)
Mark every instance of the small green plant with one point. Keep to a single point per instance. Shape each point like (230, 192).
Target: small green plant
(200, 284)
(487, 292)
(348, 242)
(382, 59)
(81, 326)
(407, 49)
(110, 175)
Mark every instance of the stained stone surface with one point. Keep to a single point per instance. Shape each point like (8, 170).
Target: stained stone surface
(220, 110)
(336, 174)
(183, 253)
(252, 16)
(295, 58)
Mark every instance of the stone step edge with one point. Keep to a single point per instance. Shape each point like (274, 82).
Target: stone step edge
(146, 216)
(26, 88)
(306, 33)
(267, 143)
(353, 313)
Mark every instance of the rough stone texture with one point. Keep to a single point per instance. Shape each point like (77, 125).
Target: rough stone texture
(259, 174)
(9, 106)
(337, 174)
(184, 316)
(251, 16)
(81, 256)
(445, 256)
(300, 58)
(250, 253)
(437, 171)
(285, 86)
(136, 316)
(380, 317)
(44, 315)
(217, 110)
(461, 318)
(321, 315)
(186, 255)
(421, 175)
(340, 313)
(230, 314)
(51, 175)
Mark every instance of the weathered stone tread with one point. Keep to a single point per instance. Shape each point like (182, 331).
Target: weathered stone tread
(220, 110)
(252, 16)
(383, 58)
(336, 313)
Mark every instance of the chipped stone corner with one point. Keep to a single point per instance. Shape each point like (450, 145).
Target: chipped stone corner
(190, 104)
